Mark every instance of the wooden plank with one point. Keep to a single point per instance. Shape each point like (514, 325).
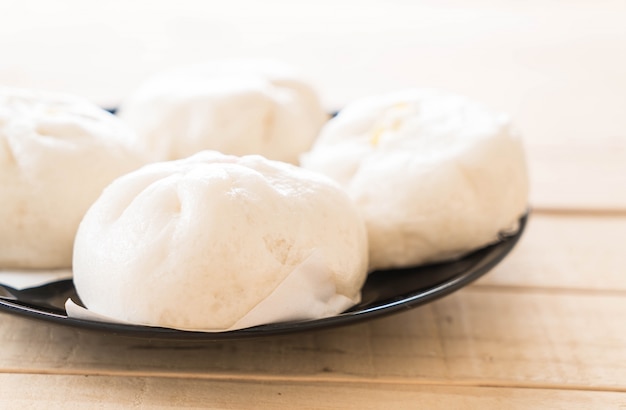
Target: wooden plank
(52, 391)
(588, 175)
(477, 336)
(584, 252)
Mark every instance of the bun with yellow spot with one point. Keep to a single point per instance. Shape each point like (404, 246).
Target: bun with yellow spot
(435, 175)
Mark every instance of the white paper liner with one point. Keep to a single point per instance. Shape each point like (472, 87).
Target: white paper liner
(24, 279)
(78, 312)
(307, 293)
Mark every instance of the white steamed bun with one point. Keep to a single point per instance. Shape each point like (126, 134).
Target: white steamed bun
(235, 107)
(216, 242)
(57, 153)
(434, 174)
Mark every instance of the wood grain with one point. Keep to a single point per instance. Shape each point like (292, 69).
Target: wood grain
(566, 251)
(146, 392)
(476, 337)
(588, 175)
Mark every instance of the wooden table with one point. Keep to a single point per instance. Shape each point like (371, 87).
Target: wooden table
(545, 329)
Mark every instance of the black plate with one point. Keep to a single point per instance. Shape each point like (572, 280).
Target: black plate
(384, 292)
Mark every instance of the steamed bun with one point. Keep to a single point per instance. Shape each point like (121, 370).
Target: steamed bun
(57, 153)
(235, 107)
(216, 242)
(434, 174)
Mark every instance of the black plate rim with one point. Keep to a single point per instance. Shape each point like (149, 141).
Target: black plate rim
(402, 303)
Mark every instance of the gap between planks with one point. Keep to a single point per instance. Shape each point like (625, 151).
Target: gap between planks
(579, 212)
(323, 379)
(540, 289)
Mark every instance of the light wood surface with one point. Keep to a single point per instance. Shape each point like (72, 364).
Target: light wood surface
(477, 337)
(88, 392)
(545, 329)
